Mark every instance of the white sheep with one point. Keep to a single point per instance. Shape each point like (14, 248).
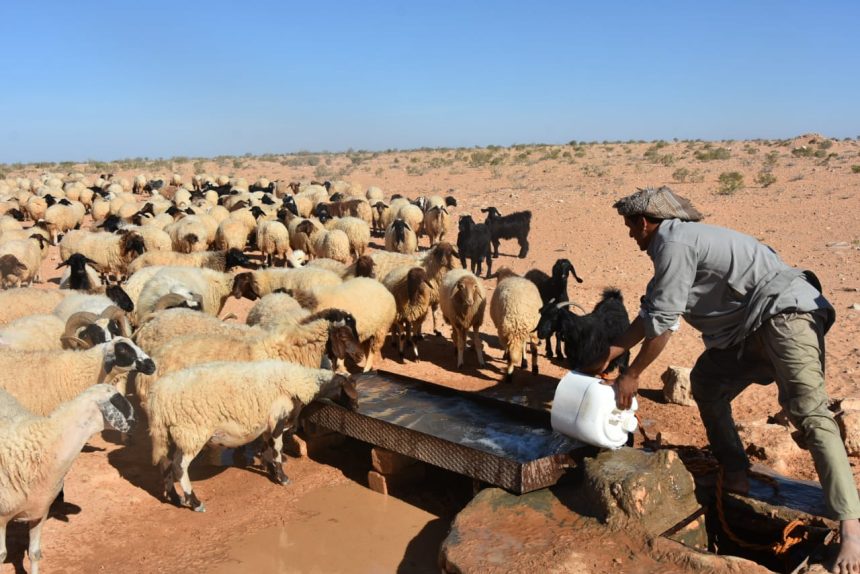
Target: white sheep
(255, 284)
(412, 295)
(231, 404)
(411, 214)
(20, 261)
(24, 301)
(515, 311)
(111, 253)
(211, 288)
(63, 216)
(216, 260)
(275, 310)
(232, 233)
(332, 244)
(36, 453)
(165, 325)
(41, 380)
(315, 341)
(50, 333)
(400, 237)
(357, 231)
(273, 241)
(436, 222)
(463, 301)
(367, 300)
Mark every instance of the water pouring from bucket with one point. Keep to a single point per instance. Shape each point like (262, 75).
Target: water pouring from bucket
(584, 409)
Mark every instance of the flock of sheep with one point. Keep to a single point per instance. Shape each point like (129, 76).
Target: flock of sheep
(148, 266)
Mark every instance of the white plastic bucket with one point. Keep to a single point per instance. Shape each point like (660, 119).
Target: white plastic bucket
(584, 409)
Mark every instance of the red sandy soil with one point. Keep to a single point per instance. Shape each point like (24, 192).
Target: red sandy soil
(809, 215)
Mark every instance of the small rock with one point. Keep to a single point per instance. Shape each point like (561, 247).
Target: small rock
(850, 404)
(676, 386)
(855, 307)
(634, 488)
(849, 424)
(769, 442)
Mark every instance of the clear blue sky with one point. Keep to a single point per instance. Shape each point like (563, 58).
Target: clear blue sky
(107, 80)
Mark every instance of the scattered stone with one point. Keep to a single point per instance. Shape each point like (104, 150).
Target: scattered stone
(676, 386)
(770, 442)
(647, 491)
(855, 307)
(839, 245)
(849, 424)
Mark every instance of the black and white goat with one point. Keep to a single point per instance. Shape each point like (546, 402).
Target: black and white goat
(587, 337)
(473, 241)
(553, 288)
(512, 226)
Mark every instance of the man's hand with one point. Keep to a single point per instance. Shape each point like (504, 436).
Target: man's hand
(626, 386)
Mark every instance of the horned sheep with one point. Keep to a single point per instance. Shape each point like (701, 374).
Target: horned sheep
(41, 380)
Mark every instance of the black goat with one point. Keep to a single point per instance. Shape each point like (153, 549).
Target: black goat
(553, 288)
(473, 241)
(512, 226)
(587, 337)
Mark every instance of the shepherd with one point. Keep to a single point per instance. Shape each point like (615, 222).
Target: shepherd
(761, 321)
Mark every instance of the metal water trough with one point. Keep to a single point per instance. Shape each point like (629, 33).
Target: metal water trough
(499, 443)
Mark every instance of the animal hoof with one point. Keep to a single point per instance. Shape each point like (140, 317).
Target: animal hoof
(285, 480)
(535, 371)
(495, 256)
(199, 508)
(549, 355)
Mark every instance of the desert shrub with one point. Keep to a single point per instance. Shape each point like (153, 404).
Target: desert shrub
(594, 171)
(709, 154)
(479, 158)
(770, 159)
(680, 174)
(765, 178)
(855, 168)
(730, 182)
(803, 151)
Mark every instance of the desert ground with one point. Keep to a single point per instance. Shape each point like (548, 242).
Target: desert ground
(801, 196)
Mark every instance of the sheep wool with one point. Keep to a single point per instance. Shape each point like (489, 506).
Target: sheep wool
(515, 310)
(231, 403)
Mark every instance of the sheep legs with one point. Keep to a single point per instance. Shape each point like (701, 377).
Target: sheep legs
(35, 548)
(2, 542)
(272, 456)
(476, 342)
(369, 351)
(189, 498)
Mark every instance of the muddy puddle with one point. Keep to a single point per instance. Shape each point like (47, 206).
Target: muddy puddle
(344, 528)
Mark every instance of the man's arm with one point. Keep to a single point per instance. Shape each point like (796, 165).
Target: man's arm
(628, 383)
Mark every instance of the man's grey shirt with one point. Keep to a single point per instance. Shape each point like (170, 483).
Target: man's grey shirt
(724, 283)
